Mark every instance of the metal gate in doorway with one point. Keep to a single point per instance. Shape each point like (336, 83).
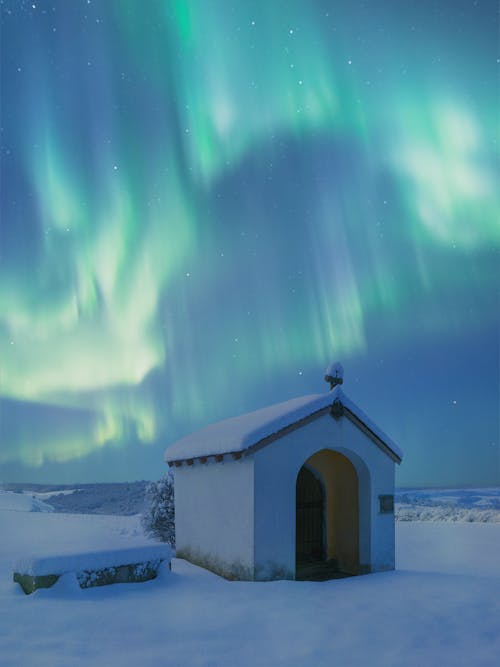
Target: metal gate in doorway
(309, 518)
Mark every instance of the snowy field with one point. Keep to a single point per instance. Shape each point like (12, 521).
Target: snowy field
(478, 505)
(440, 607)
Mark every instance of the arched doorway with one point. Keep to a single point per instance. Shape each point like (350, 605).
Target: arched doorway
(327, 517)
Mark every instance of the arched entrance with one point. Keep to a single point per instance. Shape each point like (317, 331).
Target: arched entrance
(327, 517)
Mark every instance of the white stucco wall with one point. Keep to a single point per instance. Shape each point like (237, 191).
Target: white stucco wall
(275, 472)
(214, 515)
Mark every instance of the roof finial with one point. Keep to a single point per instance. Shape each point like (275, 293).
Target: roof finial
(334, 374)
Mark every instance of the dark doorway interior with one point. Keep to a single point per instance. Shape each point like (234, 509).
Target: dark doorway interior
(310, 504)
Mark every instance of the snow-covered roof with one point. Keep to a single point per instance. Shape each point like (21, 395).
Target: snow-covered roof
(240, 433)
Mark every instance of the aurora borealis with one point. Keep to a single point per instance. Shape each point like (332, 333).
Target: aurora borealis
(205, 202)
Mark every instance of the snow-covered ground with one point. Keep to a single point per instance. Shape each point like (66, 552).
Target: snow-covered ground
(477, 505)
(23, 502)
(440, 607)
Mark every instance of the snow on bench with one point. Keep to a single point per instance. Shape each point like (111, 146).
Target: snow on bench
(93, 568)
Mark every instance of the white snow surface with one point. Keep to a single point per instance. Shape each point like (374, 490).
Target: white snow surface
(441, 607)
(238, 433)
(40, 557)
(23, 502)
(91, 560)
(47, 495)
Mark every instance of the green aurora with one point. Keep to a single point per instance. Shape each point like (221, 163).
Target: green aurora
(204, 202)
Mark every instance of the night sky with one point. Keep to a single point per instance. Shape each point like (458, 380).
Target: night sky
(205, 202)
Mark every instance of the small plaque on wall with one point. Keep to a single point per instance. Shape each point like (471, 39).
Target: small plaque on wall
(386, 504)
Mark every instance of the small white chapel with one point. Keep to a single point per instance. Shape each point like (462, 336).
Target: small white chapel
(298, 490)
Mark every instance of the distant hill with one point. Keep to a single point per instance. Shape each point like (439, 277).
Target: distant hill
(122, 498)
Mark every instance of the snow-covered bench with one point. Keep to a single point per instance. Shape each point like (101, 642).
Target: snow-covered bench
(94, 568)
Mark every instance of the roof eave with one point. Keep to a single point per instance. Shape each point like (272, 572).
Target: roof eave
(381, 444)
